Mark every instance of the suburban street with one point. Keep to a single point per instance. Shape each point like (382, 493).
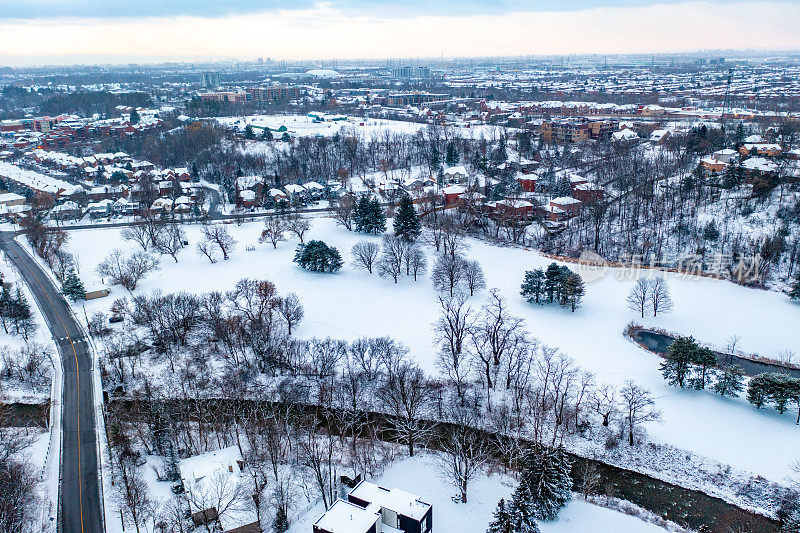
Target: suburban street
(80, 507)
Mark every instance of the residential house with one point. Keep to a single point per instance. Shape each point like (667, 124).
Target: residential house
(761, 149)
(371, 508)
(527, 182)
(570, 206)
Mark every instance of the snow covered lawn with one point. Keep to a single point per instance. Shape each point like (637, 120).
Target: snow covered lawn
(353, 303)
(419, 476)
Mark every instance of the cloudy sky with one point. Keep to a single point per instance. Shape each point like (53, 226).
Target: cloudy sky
(70, 31)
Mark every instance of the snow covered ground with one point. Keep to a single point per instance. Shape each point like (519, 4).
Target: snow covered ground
(353, 303)
(304, 126)
(419, 476)
(43, 454)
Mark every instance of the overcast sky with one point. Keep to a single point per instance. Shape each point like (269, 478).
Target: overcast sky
(70, 31)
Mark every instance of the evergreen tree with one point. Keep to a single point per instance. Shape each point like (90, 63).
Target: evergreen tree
(523, 511)
(318, 257)
(134, 117)
(502, 522)
(710, 232)
(361, 212)
(729, 381)
(533, 286)
(574, 290)
(794, 292)
(678, 361)
(451, 156)
(705, 359)
(757, 390)
(547, 481)
(73, 287)
(552, 281)
(5, 307)
(281, 522)
(248, 132)
(267, 135)
(373, 220)
(406, 221)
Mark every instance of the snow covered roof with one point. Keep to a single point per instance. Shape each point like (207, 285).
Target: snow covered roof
(314, 185)
(194, 469)
(624, 135)
(451, 171)
(564, 200)
(454, 189)
(7, 197)
(35, 180)
(294, 188)
(396, 500)
(346, 517)
(760, 164)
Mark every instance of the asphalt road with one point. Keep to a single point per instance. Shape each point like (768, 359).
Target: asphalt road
(80, 506)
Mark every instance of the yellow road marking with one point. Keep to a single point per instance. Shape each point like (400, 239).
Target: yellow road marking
(78, 377)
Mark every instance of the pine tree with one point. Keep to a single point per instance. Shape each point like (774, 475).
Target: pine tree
(502, 522)
(281, 522)
(361, 212)
(451, 156)
(546, 477)
(757, 393)
(574, 290)
(5, 307)
(73, 287)
(377, 220)
(523, 511)
(318, 257)
(729, 381)
(134, 117)
(533, 286)
(406, 221)
(677, 362)
(704, 359)
(552, 281)
(794, 292)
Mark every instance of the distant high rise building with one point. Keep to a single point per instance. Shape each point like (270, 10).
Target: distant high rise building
(211, 80)
(260, 60)
(420, 72)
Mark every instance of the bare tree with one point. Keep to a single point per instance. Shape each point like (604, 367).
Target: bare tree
(365, 254)
(473, 276)
(297, 224)
(208, 249)
(214, 497)
(127, 271)
(605, 403)
(452, 331)
(343, 210)
(660, 299)
(392, 257)
(291, 309)
(638, 297)
(493, 334)
(447, 274)
(274, 231)
(132, 493)
(465, 451)
(139, 234)
(405, 395)
(637, 407)
(416, 262)
(217, 235)
(170, 241)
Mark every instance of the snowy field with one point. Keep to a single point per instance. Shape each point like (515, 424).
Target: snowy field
(353, 303)
(304, 126)
(419, 476)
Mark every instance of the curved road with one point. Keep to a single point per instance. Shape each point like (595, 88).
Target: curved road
(80, 507)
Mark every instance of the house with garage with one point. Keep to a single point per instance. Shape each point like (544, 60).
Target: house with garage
(371, 508)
